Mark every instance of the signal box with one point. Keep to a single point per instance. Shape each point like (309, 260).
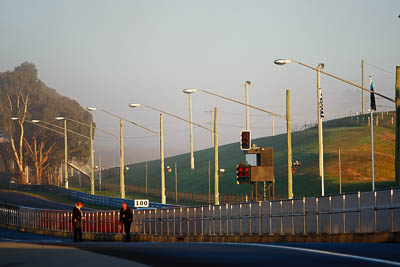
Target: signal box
(261, 160)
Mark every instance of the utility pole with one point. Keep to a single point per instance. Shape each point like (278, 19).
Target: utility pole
(289, 144)
(163, 197)
(397, 152)
(216, 168)
(362, 85)
(191, 134)
(372, 142)
(320, 135)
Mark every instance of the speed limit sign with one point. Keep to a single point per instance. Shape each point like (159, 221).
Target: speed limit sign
(141, 203)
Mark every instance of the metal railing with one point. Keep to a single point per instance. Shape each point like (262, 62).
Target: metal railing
(86, 198)
(366, 212)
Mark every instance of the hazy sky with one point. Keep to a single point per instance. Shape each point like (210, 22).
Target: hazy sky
(108, 54)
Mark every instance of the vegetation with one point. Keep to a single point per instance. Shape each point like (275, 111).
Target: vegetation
(351, 135)
(24, 97)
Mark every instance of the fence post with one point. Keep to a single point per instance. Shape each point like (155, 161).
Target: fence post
(344, 213)
(260, 218)
(250, 230)
(281, 218)
(316, 215)
(270, 217)
(359, 211)
(226, 218)
(391, 209)
(240, 218)
(304, 216)
(292, 218)
(374, 211)
(330, 213)
(202, 220)
(220, 220)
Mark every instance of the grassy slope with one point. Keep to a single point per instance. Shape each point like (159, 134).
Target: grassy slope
(355, 154)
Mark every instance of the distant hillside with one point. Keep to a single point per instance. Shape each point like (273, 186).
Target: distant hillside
(352, 135)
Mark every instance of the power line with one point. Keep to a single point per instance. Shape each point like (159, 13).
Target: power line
(379, 68)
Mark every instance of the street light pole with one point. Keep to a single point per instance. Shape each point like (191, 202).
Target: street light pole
(91, 160)
(190, 92)
(246, 86)
(320, 135)
(65, 155)
(216, 168)
(163, 197)
(289, 144)
(122, 166)
(397, 103)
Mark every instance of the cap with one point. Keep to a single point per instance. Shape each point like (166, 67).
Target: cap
(124, 204)
(79, 204)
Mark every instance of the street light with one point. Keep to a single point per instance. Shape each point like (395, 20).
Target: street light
(190, 92)
(319, 70)
(216, 186)
(287, 118)
(91, 148)
(121, 171)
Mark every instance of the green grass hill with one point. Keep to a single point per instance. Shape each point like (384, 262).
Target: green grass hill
(350, 134)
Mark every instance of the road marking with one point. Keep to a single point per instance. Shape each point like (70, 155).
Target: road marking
(395, 263)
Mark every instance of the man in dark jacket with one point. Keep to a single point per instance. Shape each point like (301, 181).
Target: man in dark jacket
(126, 217)
(77, 218)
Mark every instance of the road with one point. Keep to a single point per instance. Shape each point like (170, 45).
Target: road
(41, 250)
(26, 200)
(65, 251)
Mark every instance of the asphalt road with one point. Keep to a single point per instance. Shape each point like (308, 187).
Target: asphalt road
(32, 202)
(197, 254)
(41, 250)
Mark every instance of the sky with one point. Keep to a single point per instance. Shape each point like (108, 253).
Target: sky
(108, 54)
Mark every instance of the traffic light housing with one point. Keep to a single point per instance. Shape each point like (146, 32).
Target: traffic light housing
(245, 140)
(243, 173)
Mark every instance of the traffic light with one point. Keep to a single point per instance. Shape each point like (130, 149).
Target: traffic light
(245, 141)
(243, 173)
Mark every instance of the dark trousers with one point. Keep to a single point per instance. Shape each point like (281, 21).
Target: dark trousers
(127, 226)
(77, 231)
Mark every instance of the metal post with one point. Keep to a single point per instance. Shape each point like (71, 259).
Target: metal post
(362, 85)
(209, 182)
(65, 155)
(91, 160)
(372, 151)
(304, 216)
(320, 136)
(146, 178)
(163, 198)
(289, 144)
(246, 86)
(397, 151)
(122, 166)
(340, 174)
(273, 125)
(216, 180)
(191, 134)
(176, 183)
(100, 172)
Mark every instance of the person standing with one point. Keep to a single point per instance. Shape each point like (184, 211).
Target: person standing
(77, 218)
(126, 217)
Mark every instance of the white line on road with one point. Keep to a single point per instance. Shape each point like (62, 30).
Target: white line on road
(394, 263)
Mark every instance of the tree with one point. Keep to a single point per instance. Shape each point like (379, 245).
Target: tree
(24, 96)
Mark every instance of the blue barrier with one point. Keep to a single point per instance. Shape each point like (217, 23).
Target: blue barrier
(87, 198)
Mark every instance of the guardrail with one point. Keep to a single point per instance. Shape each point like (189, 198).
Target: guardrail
(86, 198)
(367, 212)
